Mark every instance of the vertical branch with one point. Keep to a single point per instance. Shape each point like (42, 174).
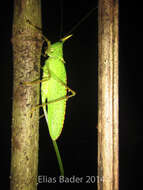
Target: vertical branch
(115, 97)
(108, 95)
(26, 67)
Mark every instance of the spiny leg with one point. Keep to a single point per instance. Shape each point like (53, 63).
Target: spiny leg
(50, 102)
(53, 101)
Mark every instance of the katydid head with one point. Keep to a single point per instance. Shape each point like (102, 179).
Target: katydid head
(56, 49)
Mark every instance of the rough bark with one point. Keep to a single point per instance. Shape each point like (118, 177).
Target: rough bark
(27, 44)
(108, 95)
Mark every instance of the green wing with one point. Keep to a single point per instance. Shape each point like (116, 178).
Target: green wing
(52, 90)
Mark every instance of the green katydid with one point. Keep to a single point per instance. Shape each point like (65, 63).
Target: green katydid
(54, 88)
(54, 92)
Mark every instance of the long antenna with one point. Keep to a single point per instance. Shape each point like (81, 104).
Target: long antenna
(82, 20)
(61, 18)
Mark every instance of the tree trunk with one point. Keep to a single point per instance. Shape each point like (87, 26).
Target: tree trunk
(108, 95)
(27, 45)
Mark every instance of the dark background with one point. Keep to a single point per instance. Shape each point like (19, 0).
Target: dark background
(78, 142)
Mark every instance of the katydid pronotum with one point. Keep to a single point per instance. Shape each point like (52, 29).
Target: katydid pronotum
(54, 88)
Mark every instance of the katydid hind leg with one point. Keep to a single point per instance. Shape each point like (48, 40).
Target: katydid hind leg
(51, 101)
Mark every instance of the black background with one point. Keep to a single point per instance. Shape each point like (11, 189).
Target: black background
(78, 142)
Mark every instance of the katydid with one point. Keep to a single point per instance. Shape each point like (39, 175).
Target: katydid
(54, 92)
